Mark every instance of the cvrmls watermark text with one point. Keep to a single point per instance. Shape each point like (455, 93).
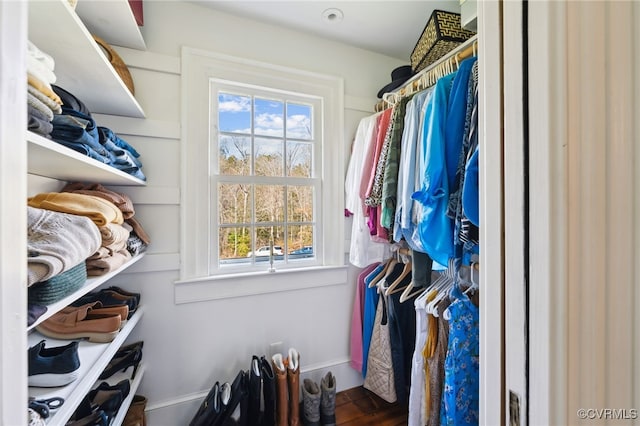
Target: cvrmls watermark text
(607, 413)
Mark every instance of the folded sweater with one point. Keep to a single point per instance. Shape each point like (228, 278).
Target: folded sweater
(56, 242)
(98, 209)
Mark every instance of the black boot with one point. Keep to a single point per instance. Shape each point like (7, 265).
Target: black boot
(268, 393)
(236, 412)
(255, 391)
(209, 410)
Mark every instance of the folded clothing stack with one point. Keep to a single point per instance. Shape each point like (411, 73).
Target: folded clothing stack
(42, 102)
(75, 128)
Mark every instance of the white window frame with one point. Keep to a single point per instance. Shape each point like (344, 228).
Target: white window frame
(199, 67)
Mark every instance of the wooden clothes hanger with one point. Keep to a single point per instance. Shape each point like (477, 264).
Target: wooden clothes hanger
(388, 266)
(394, 287)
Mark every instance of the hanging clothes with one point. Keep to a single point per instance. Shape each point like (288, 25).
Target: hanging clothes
(355, 340)
(460, 402)
(362, 251)
(434, 227)
(408, 210)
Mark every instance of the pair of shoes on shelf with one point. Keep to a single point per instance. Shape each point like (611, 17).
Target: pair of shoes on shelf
(51, 367)
(110, 397)
(90, 321)
(127, 356)
(319, 402)
(287, 388)
(111, 297)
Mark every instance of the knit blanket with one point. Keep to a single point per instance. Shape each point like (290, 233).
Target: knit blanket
(98, 209)
(57, 242)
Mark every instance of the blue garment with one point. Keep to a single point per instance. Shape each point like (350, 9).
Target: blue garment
(405, 222)
(107, 134)
(460, 395)
(369, 315)
(74, 127)
(85, 150)
(470, 189)
(435, 228)
(456, 117)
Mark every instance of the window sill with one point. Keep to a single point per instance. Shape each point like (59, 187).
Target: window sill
(254, 283)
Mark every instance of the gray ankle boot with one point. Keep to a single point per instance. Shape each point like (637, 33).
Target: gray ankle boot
(328, 400)
(310, 403)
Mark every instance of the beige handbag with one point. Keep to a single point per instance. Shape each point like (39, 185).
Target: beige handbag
(380, 378)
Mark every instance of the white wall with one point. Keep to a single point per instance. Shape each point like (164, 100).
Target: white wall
(190, 346)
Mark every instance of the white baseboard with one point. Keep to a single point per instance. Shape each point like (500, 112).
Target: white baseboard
(180, 410)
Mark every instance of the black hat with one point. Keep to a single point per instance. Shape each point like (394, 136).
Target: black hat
(398, 77)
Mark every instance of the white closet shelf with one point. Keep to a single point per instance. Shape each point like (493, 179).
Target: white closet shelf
(80, 66)
(50, 159)
(94, 357)
(89, 285)
(113, 21)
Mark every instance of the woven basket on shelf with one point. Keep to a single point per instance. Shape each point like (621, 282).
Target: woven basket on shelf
(441, 35)
(117, 63)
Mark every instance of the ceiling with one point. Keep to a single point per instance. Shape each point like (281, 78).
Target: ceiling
(389, 27)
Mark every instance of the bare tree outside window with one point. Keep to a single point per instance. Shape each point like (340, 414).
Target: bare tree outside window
(262, 138)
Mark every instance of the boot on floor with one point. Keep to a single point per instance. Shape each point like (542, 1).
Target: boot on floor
(310, 403)
(282, 393)
(135, 414)
(328, 400)
(255, 391)
(293, 380)
(268, 393)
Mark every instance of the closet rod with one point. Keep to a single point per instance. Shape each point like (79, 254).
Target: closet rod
(463, 51)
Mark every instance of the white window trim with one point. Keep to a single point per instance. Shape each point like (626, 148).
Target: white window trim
(198, 66)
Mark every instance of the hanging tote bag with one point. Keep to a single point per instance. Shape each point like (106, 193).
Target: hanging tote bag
(380, 378)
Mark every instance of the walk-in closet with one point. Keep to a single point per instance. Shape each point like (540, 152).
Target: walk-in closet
(294, 213)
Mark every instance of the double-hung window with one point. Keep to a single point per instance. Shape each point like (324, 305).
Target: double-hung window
(263, 169)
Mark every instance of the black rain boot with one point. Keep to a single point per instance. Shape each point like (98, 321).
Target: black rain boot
(255, 392)
(268, 393)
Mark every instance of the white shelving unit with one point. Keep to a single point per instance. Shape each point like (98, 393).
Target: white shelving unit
(89, 285)
(94, 357)
(113, 22)
(50, 159)
(80, 66)
(83, 69)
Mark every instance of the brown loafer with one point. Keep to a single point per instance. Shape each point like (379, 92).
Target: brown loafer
(77, 323)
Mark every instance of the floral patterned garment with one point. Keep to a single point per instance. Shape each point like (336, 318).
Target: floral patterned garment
(460, 400)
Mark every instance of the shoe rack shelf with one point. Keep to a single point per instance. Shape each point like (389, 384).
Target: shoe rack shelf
(94, 358)
(50, 159)
(89, 285)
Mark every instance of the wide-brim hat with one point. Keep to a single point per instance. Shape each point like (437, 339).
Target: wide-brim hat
(398, 77)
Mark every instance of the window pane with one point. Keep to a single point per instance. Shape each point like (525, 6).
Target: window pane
(300, 203)
(234, 113)
(269, 117)
(265, 234)
(234, 244)
(234, 155)
(268, 157)
(234, 203)
(269, 203)
(299, 121)
(300, 241)
(299, 159)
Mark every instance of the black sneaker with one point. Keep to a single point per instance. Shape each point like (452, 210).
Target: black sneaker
(51, 367)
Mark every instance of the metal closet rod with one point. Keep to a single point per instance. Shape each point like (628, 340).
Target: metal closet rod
(463, 51)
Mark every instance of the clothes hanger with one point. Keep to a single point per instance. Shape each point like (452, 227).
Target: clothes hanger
(393, 288)
(390, 262)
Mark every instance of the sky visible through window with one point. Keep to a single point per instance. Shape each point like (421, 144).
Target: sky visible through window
(234, 113)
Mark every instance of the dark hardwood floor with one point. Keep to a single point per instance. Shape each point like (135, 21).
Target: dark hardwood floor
(360, 407)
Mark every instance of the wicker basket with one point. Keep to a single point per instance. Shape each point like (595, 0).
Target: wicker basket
(117, 63)
(441, 35)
